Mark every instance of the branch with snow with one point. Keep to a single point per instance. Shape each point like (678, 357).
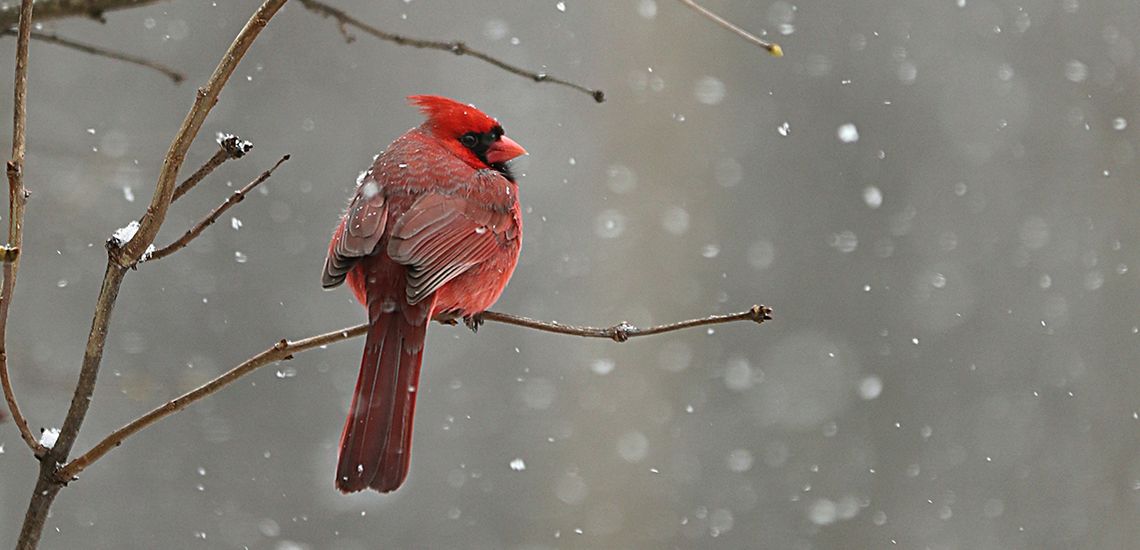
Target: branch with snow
(204, 102)
(229, 147)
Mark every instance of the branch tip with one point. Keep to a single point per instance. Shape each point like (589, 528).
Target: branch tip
(234, 146)
(771, 48)
(759, 314)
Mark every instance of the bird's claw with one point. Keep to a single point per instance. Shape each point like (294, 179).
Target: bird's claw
(473, 322)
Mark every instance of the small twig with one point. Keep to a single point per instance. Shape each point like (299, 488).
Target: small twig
(52, 38)
(772, 48)
(205, 100)
(17, 198)
(229, 147)
(213, 216)
(284, 350)
(458, 48)
(55, 9)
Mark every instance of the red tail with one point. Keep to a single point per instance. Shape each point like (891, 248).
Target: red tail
(376, 444)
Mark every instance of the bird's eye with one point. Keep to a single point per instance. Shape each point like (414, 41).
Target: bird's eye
(468, 140)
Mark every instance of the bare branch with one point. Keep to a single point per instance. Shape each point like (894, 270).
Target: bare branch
(773, 49)
(624, 331)
(285, 350)
(17, 198)
(229, 147)
(458, 48)
(213, 216)
(176, 155)
(281, 351)
(53, 38)
(55, 9)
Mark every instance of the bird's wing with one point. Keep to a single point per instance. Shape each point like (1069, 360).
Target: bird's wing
(442, 236)
(363, 226)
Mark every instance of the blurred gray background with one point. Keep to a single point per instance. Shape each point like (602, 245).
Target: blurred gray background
(939, 199)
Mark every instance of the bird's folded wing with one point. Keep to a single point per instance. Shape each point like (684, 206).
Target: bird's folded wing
(363, 228)
(442, 236)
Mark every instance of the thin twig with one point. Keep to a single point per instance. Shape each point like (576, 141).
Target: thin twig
(285, 350)
(55, 9)
(213, 216)
(52, 38)
(176, 155)
(229, 147)
(772, 48)
(458, 48)
(17, 198)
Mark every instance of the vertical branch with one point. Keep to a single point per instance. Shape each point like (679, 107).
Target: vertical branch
(43, 495)
(17, 197)
(92, 357)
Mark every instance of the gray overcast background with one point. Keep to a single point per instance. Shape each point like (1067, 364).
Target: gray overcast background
(939, 199)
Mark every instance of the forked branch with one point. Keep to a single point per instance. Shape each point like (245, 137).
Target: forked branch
(213, 216)
(284, 350)
(204, 101)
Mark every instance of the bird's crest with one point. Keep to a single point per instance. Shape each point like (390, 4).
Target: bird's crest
(450, 117)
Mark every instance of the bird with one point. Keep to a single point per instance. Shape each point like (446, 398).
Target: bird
(433, 232)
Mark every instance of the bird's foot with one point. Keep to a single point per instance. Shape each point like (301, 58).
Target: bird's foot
(473, 322)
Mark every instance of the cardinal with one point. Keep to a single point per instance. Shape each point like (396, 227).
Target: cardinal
(433, 232)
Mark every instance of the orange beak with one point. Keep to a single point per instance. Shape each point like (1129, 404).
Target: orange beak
(503, 150)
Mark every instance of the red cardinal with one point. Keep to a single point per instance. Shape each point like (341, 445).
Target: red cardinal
(432, 233)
